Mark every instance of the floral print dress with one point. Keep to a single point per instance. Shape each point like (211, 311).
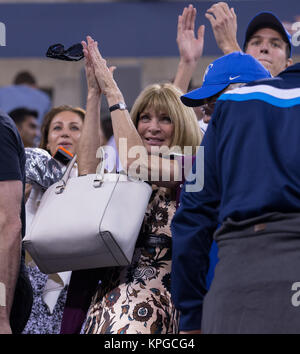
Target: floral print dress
(136, 299)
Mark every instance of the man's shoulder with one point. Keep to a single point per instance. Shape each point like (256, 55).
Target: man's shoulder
(6, 89)
(287, 79)
(23, 90)
(292, 69)
(277, 91)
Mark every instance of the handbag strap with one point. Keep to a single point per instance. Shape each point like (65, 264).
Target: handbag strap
(99, 177)
(67, 173)
(62, 183)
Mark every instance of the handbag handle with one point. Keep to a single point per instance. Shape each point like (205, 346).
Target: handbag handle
(97, 180)
(62, 183)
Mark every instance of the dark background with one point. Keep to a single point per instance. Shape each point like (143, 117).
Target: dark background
(123, 29)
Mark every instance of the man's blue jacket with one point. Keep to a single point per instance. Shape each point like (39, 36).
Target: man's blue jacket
(251, 167)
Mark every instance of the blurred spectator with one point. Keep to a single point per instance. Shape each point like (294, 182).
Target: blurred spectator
(112, 160)
(26, 122)
(106, 129)
(24, 93)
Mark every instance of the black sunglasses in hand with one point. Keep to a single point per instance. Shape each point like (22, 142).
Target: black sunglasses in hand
(57, 51)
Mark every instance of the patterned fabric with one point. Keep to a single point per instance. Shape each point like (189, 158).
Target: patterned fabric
(41, 168)
(136, 299)
(41, 320)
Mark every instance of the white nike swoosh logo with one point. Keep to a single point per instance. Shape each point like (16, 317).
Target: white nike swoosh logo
(235, 77)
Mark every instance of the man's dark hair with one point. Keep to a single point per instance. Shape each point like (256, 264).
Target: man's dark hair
(19, 114)
(24, 77)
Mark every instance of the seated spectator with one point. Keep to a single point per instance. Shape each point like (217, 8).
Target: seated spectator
(26, 122)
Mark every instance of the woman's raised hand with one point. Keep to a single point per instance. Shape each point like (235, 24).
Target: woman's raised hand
(190, 47)
(102, 73)
(92, 83)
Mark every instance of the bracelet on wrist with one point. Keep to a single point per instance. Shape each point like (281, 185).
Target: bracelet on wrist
(120, 105)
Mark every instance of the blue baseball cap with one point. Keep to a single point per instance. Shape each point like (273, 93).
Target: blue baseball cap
(232, 68)
(267, 20)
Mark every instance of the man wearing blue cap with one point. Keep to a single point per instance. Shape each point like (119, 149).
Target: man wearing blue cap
(251, 188)
(230, 69)
(222, 75)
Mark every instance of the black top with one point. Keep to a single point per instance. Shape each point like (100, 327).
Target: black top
(12, 167)
(12, 156)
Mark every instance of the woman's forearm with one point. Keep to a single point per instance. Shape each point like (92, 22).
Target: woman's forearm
(184, 74)
(90, 139)
(133, 155)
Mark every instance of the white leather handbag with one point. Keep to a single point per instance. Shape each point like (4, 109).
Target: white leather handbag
(89, 221)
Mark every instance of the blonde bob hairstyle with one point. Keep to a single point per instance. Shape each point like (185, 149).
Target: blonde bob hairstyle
(165, 98)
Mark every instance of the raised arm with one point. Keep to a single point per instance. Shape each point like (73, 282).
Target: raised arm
(139, 163)
(190, 47)
(90, 139)
(90, 135)
(10, 247)
(224, 24)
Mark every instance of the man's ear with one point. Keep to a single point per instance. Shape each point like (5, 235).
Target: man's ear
(289, 62)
